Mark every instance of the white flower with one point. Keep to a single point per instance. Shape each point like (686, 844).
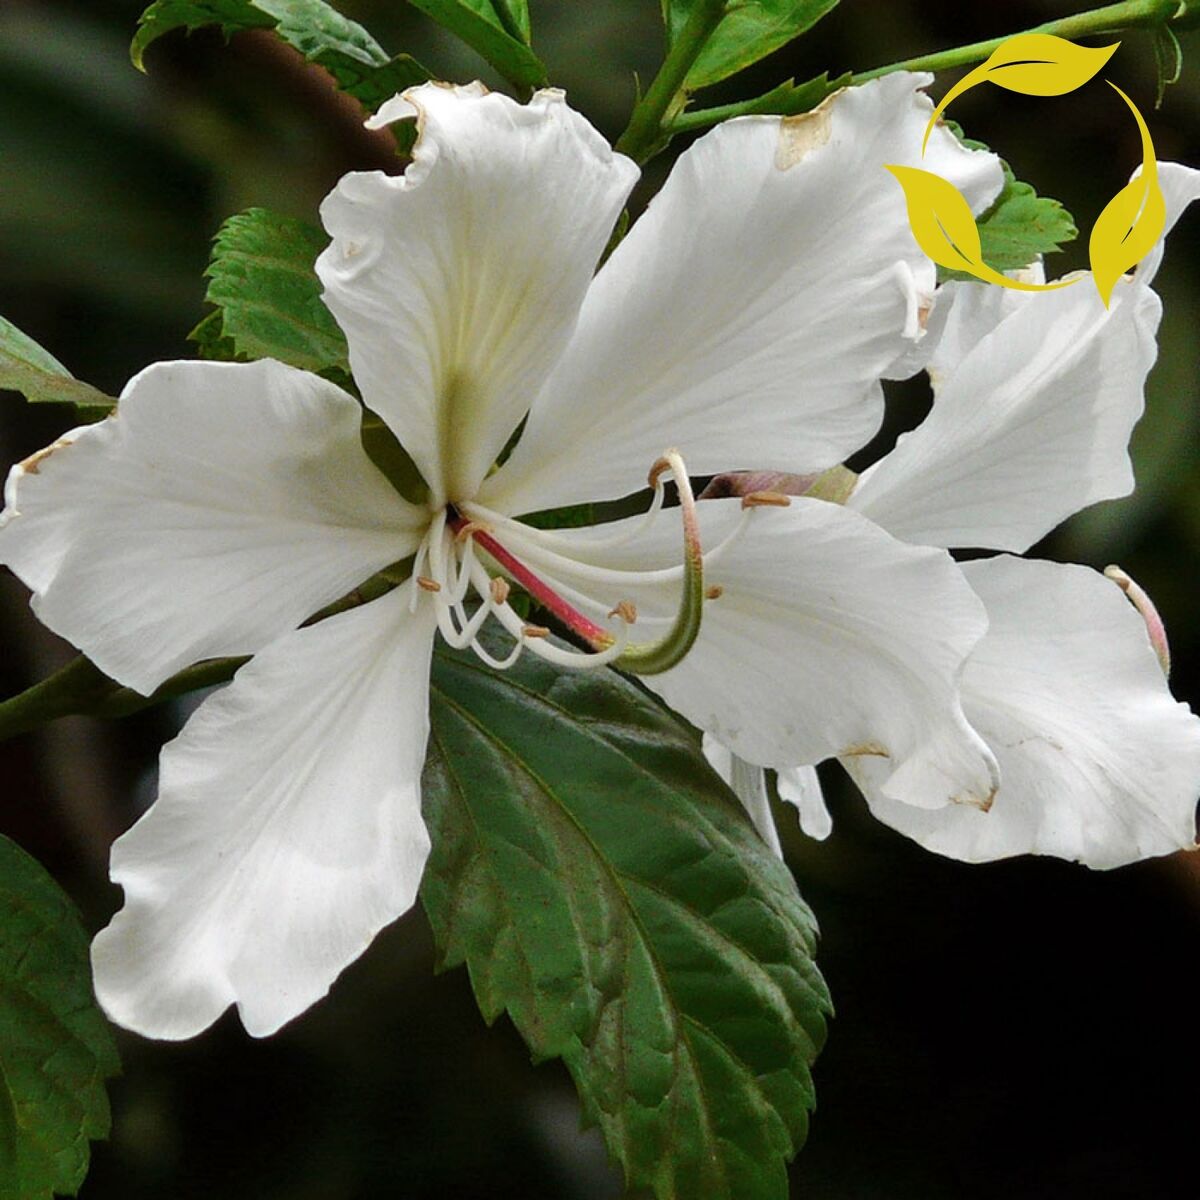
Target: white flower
(746, 319)
(1035, 399)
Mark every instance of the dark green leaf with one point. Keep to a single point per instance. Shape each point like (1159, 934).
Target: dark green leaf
(26, 368)
(748, 32)
(268, 297)
(503, 41)
(357, 62)
(605, 890)
(56, 1048)
(514, 15)
(1020, 224)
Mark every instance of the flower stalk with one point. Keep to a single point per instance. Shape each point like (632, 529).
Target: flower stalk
(648, 130)
(1111, 18)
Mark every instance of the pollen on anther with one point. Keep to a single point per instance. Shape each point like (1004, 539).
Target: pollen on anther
(714, 593)
(498, 589)
(535, 631)
(626, 610)
(428, 585)
(766, 500)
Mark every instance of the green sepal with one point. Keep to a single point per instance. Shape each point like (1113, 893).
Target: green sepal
(747, 33)
(56, 1048)
(358, 63)
(606, 890)
(35, 373)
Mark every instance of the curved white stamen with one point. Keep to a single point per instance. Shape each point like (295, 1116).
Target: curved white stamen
(549, 560)
(417, 570)
(573, 660)
(551, 537)
(499, 664)
(439, 569)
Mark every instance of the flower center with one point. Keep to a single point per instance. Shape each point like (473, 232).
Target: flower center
(471, 557)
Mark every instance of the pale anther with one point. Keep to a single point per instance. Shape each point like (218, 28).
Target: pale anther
(498, 589)
(715, 592)
(661, 465)
(428, 585)
(626, 610)
(535, 631)
(766, 500)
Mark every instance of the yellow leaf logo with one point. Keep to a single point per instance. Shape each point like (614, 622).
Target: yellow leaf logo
(945, 228)
(1132, 221)
(1036, 64)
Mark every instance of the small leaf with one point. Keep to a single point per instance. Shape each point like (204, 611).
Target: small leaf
(480, 25)
(1020, 226)
(268, 297)
(1132, 221)
(749, 31)
(1035, 64)
(357, 62)
(1168, 61)
(27, 368)
(56, 1049)
(606, 890)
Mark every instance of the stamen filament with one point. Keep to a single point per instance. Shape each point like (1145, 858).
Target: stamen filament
(651, 658)
(543, 593)
(574, 660)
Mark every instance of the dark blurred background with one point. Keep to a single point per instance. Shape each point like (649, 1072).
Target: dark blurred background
(1021, 1029)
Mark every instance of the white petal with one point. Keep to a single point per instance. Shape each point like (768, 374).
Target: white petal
(749, 784)
(286, 834)
(458, 283)
(802, 787)
(748, 316)
(829, 637)
(1180, 187)
(223, 504)
(1098, 763)
(1031, 426)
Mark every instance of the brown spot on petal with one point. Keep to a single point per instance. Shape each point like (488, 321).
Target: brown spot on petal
(799, 136)
(983, 803)
(32, 465)
(715, 592)
(873, 749)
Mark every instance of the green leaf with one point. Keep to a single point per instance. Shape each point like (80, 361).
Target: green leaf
(268, 297)
(498, 31)
(1019, 225)
(56, 1048)
(357, 62)
(514, 15)
(748, 32)
(606, 890)
(27, 368)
